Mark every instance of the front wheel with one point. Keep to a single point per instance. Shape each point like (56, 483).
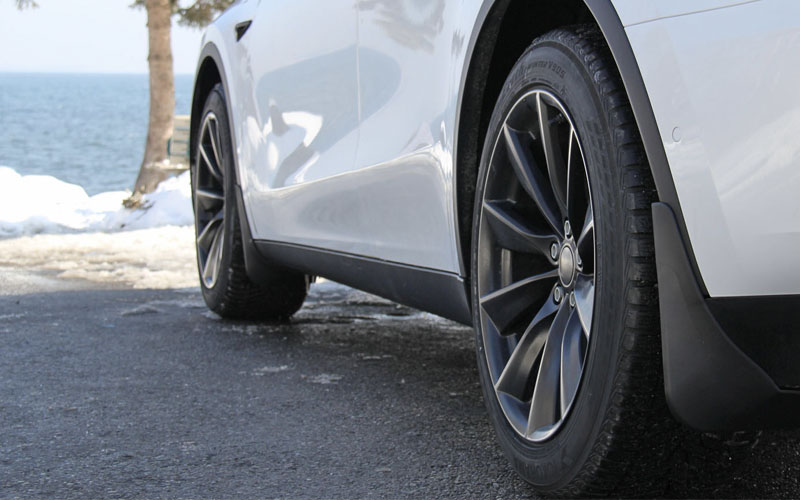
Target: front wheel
(564, 281)
(226, 287)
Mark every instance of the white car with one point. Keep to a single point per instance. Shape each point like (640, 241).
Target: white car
(607, 190)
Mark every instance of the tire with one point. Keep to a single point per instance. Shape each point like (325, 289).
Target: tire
(226, 287)
(606, 419)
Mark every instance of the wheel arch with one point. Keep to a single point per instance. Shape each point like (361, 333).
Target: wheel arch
(505, 28)
(210, 72)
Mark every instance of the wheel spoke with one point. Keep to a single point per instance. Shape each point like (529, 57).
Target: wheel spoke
(213, 136)
(554, 157)
(572, 356)
(507, 306)
(576, 179)
(209, 232)
(570, 187)
(209, 199)
(586, 242)
(545, 409)
(517, 377)
(584, 302)
(211, 165)
(211, 267)
(511, 232)
(531, 178)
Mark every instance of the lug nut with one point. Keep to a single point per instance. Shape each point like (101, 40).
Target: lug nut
(554, 251)
(558, 295)
(572, 299)
(567, 229)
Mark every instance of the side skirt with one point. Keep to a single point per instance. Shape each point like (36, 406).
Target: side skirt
(440, 293)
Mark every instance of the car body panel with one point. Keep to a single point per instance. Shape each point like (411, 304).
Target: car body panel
(219, 39)
(364, 192)
(723, 87)
(641, 11)
(317, 167)
(410, 60)
(300, 125)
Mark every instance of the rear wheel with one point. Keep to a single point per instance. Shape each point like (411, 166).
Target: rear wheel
(564, 284)
(226, 287)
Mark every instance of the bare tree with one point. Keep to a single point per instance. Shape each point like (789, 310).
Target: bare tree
(162, 84)
(162, 99)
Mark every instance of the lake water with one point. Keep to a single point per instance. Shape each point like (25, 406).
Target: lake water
(84, 129)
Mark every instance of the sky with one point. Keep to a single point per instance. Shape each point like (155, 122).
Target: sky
(85, 36)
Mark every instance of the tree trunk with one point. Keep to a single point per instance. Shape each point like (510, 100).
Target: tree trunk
(162, 100)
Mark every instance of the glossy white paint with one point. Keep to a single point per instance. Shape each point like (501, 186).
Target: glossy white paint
(345, 140)
(299, 130)
(641, 11)
(345, 131)
(410, 61)
(221, 35)
(728, 78)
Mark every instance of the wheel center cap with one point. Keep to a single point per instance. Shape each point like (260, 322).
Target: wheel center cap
(566, 266)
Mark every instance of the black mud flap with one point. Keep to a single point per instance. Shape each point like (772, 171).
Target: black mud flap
(711, 384)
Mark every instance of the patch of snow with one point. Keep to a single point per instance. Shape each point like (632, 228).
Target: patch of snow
(260, 372)
(368, 357)
(248, 330)
(33, 204)
(212, 315)
(194, 303)
(327, 286)
(325, 378)
(11, 316)
(157, 258)
(138, 311)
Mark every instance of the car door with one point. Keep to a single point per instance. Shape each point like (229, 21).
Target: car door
(300, 124)
(409, 63)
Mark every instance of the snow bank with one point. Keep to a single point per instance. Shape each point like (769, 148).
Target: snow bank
(33, 204)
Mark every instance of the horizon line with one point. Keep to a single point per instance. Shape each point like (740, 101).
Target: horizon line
(108, 73)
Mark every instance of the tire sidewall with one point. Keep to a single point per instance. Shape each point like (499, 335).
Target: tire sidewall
(552, 464)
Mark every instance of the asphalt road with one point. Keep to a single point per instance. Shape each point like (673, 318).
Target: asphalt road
(118, 393)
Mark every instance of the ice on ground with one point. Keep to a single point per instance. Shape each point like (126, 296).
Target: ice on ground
(141, 310)
(260, 372)
(157, 258)
(325, 378)
(33, 204)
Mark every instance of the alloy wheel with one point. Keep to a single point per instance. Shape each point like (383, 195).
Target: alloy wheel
(536, 265)
(209, 201)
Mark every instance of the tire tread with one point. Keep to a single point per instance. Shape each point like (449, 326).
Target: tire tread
(637, 412)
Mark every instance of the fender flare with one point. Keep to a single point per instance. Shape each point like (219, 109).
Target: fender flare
(607, 19)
